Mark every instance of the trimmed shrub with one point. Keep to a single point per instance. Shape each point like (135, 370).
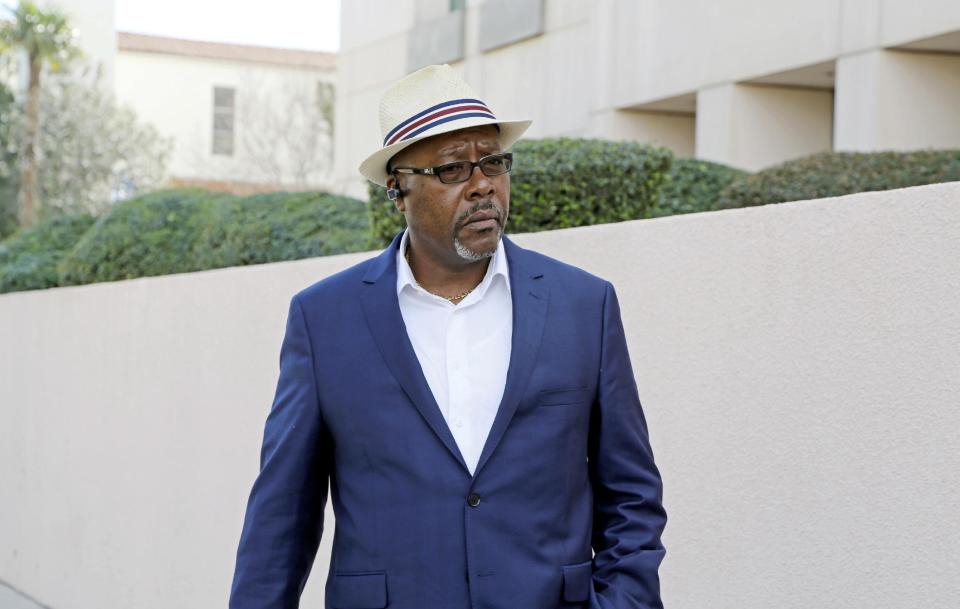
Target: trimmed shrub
(693, 186)
(29, 258)
(155, 234)
(8, 207)
(562, 183)
(178, 231)
(831, 174)
(284, 226)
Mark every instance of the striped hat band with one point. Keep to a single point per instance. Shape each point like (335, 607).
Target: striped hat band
(457, 109)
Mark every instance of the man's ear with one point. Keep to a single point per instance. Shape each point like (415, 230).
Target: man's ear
(395, 194)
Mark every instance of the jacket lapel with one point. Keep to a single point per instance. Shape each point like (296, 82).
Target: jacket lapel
(530, 296)
(382, 310)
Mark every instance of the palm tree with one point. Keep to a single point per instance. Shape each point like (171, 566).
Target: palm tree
(47, 39)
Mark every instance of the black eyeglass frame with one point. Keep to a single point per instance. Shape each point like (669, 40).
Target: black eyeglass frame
(435, 171)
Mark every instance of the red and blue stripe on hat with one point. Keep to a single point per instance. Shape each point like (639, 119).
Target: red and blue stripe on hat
(453, 110)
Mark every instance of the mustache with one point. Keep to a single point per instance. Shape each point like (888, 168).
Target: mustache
(483, 205)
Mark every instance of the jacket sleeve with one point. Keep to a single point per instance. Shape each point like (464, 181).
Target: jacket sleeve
(628, 493)
(284, 517)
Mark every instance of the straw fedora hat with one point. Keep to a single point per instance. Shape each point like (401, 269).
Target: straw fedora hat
(431, 101)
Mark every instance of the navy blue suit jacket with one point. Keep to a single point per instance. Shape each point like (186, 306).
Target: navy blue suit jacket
(567, 466)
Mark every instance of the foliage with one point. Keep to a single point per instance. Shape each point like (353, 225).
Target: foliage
(152, 235)
(283, 226)
(8, 207)
(8, 159)
(92, 150)
(48, 41)
(561, 183)
(831, 174)
(75, 148)
(178, 231)
(693, 185)
(43, 34)
(29, 259)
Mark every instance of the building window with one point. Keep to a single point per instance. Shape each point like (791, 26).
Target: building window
(457, 5)
(223, 118)
(436, 39)
(326, 103)
(504, 22)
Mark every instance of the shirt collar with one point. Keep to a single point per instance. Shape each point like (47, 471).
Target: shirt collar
(497, 268)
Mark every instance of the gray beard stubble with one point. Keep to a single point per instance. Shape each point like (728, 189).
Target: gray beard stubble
(465, 252)
(468, 254)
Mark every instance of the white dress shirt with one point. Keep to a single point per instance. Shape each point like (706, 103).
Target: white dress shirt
(464, 349)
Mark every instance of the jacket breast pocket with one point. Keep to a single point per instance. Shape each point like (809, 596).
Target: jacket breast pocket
(366, 590)
(560, 397)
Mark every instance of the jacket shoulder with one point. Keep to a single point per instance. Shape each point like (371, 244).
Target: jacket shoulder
(559, 271)
(337, 285)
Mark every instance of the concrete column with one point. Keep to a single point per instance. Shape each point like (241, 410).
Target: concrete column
(903, 100)
(755, 126)
(673, 130)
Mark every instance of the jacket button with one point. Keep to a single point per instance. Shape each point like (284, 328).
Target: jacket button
(473, 500)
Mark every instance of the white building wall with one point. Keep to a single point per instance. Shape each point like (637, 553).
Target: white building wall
(537, 78)
(797, 364)
(175, 94)
(898, 100)
(98, 40)
(667, 47)
(618, 68)
(376, 53)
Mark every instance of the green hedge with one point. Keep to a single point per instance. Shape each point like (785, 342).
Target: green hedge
(693, 186)
(284, 226)
(831, 174)
(561, 183)
(29, 258)
(178, 231)
(155, 234)
(8, 208)
(556, 183)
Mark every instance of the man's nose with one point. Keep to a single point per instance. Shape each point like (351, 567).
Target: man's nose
(480, 184)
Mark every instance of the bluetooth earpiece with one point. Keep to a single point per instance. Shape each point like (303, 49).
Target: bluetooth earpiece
(395, 193)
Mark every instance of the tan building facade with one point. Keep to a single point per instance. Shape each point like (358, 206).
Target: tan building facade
(749, 83)
(242, 118)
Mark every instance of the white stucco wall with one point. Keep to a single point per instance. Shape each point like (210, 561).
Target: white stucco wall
(797, 364)
(175, 94)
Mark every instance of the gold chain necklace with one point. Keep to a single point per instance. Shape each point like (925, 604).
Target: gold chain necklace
(406, 255)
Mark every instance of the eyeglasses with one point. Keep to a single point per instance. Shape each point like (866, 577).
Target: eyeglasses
(460, 171)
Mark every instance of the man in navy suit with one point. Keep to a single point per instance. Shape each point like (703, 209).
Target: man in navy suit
(470, 403)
